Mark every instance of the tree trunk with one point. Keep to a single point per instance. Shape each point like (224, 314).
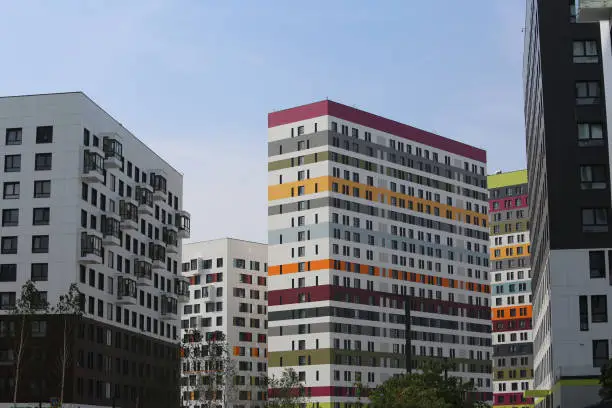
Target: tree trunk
(19, 356)
(64, 358)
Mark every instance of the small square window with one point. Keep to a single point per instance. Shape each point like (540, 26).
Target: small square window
(41, 216)
(8, 245)
(13, 137)
(42, 161)
(12, 163)
(8, 272)
(44, 134)
(40, 244)
(40, 272)
(42, 188)
(10, 217)
(10, 190)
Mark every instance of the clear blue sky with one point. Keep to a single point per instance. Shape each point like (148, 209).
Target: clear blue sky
(195, 79)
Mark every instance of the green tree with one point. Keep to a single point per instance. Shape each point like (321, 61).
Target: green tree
(287, 391)
(605, 379)
(30, 302)
(427, 389)
(69, 309)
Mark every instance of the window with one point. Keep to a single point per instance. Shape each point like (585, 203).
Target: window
(597, 264)
(12, 163)
(41, 216)
(585, 52)
(10, 217)
(595, 219)
(40, 244)
(42, 188)
(7, 300)
(600, 352)
(39, 272)
(42, 161)
(587, 92)
(599, 309)
(8, 272)
(44, 134)
(9, 245)
(583, 307)
(10, 190)
(13, 136)
(39, 328)
(593, 177)
(590, 134)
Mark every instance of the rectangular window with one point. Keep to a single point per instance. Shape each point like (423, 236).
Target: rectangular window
(583, 305)
(42, 188)
(42, 161)
(12, 163)
(39, 272)
(9, 245)
(10, 190)
(44, 134)
(590, 134)
(40, 244)
(8, 272)
(600, 352)
(587, 92)
(597, 264)
(593, 177)
(585, 52)
(41, 216)
(10, 217)
(13, 137)
(599, 309)
(594, 219)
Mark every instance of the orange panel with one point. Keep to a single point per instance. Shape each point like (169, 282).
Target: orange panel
(505, 313)
(509, 251)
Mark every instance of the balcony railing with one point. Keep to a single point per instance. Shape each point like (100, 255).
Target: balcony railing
(169, 305)
(144, 196)
(143, 270)
(128, 211)
(126, 288)
(91, 244)
(112, 148)
(181, 287)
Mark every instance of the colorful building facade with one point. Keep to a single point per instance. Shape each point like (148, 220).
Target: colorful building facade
(511, 308)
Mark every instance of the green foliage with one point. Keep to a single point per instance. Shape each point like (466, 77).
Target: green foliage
(288, 390)
(428, 389)
(30, 301)
(605, 379)
(70, 303)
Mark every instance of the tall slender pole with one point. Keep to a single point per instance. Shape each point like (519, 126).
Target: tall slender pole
(407, 313)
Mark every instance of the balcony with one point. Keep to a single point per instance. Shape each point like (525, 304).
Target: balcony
(113, 151)
(158, 182)
(171, 240)
(129, 215)
(181, 289)
(127, 293)
(157, 253)
(183, 223)
(111, 230)
(144, 197)
(594, 11)
(93, 167)
(143, 271)
(169, 307)
(91, 248)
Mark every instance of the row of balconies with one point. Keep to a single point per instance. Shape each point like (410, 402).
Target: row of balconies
(127, 294)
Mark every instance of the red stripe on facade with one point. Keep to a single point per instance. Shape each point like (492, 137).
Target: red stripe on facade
(511, 398)
(364, 297)
(512, 201)
(370, 120)
(511, 325)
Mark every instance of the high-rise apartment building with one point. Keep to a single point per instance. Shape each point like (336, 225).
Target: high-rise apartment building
(227, 294)
(569, 200)
(365, 213)
(510, 289)
(84, 201)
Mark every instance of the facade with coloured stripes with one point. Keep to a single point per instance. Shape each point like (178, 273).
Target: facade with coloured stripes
(364, 214)
(510, 289)
(227, 293)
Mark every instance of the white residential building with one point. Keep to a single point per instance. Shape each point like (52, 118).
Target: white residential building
(83, 200)
(227, 293)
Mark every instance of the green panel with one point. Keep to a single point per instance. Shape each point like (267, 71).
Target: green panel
(511, 178)
(280, 164)
(517, 372)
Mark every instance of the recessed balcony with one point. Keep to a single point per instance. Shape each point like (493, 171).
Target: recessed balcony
(129, 215)
(183, 223)
(594, 11)
(181, 289)
(160, 192)
(157, 253)
(143, 271)
(111, 230)
(126, 291)
(93, 167)
(169, 307)
(113, 151)
(91, 248)
(144, 197)
(170, 237)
